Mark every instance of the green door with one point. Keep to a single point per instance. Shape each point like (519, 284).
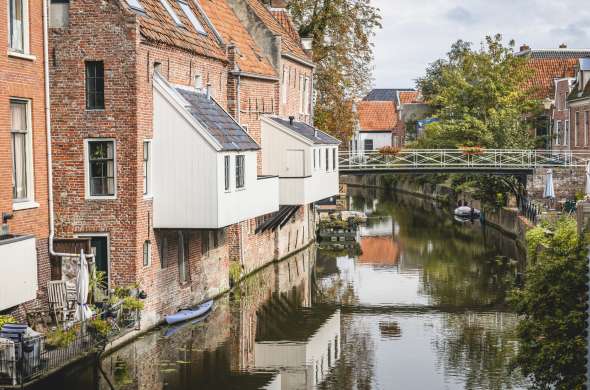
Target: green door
(100, 248)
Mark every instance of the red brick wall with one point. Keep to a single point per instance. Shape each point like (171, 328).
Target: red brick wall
(293, 72)
(579, 133)
(560, 112)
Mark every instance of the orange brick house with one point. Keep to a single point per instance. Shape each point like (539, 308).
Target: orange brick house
(24, 206)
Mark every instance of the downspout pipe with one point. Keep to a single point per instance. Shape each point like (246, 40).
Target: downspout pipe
(52, 251)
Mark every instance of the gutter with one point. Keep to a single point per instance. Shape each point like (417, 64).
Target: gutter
(52, 251)
(299, 60)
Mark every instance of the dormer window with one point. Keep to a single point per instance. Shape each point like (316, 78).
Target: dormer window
(136, 5)
(192, 17)
(171, 12)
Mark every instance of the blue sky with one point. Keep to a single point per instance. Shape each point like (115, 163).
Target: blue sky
(417, 32)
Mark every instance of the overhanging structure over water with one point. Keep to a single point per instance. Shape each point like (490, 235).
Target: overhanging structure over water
(499, 161)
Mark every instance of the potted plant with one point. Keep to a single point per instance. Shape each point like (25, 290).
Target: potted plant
(472, 150)
(389, 150)
(6, 319)
(99, 328)
(60, 338)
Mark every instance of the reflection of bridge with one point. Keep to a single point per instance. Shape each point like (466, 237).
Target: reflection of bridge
(499, 161)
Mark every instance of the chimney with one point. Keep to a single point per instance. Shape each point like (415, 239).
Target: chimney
(315, 132)
(525, 47)
(563, 46)
(307, 44)
(291, 119)
(278, 3)
(208, 91)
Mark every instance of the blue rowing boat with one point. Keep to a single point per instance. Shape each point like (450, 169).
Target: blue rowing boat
(189, 314)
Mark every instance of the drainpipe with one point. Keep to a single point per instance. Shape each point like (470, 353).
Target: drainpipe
(52, 252)
(238, 108)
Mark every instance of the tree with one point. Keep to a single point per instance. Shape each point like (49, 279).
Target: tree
(342, 51)
(552, 304)
(479, 97)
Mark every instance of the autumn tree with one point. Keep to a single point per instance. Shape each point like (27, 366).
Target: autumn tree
(342, 51)
(479, 97)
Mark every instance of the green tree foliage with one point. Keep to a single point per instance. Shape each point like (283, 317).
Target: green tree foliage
(552, 305)
(342, 51)
(479, 97)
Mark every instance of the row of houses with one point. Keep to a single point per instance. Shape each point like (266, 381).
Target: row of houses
(169, 139)
(559, 80)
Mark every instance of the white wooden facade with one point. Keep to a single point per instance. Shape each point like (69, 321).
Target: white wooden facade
(189, 172)
(306, 175)
(18, 271)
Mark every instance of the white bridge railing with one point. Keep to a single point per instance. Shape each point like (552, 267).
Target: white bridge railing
(459, 159)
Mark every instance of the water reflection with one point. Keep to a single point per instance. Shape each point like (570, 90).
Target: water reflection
(422, 307)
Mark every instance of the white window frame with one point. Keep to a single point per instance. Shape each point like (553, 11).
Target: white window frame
(15, 52)
(285, 86)
(301, 81)
(227, 173)
(171, 12)
(147, 252)
(29, 201)
(192, 17)
(306, 96)
(107, 236)
(557, 135)
(327, 156)
(147, 169)
(180, 249)
(243, 172)
(87, 169)
(586, 125)
(566, 131)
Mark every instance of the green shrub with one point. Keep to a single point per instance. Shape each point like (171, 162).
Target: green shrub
(5, 319)
(235, 271)
(132, 304)
(60, 338)
(100, 326)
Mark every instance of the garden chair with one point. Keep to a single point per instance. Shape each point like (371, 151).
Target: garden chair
(60, 302)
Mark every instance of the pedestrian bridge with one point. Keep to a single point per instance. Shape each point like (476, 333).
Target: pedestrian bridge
(498, 161)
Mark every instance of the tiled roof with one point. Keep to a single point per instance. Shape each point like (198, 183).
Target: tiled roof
(283, 18)
(218, 122)
(383, 95)
(157, 26)
(407, 97)
(311, 133)
(251, 58)
(290, 46)
(377, 115)
(547, 65)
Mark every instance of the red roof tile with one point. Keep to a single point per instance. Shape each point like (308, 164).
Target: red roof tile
(377, 116)
(545, 71)
(251, 58)
(283, 18)
(290, 46)
(407, 97)
(157, 26)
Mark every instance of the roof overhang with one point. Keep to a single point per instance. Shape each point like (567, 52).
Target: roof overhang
(299, 60)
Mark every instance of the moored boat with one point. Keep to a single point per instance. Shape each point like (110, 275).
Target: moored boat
(189, 314)
(467, 212)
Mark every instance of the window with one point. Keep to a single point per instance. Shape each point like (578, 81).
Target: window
(301, 93)
(94, 85)
(171, 12)
(306, 96)
(164, 251)
(226, 170)
(368, 145)
(183, 272)
(204, 243)
(320, 158)
(59, 13)
(314, 158)
(147, 167)
(147, 253)
(334, 159)
(586, 127)
(134, 4)
(101, 168)
(566, 133)
(576, 127)
(327, 160)
(198, 82)
(240, 171)
(191, 17)
(557, 132)
(18, 25)
(21, 145)
(285, 85)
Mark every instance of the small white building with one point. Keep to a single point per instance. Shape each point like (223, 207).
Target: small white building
(376, 123)
(304, 158)
(204, 163)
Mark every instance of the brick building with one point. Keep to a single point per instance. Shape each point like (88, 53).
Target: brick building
(156, 110)
(547, 67)
(24, 206)
(560, 114)
(578, 103)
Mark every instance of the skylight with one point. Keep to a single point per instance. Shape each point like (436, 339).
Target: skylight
(191, 16)
(135, 4)
(173, 14)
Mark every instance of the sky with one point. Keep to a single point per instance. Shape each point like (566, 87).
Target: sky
(417, 32)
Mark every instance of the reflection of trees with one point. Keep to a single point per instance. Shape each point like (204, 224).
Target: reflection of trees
(356, 367)
(479, 347)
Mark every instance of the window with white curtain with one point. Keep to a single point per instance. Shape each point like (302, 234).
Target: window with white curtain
(240, 161)
(101, 168)
(18, 25)
(21, 145)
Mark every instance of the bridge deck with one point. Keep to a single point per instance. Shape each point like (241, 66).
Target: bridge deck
(497, 161)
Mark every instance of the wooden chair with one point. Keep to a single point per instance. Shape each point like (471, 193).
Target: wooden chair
(60, 302)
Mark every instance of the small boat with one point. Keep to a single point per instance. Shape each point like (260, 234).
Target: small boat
(173, 329)
(189, 314)
(466, 212)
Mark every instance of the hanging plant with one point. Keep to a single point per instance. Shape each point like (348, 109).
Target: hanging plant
(472, 150)
(390, 150)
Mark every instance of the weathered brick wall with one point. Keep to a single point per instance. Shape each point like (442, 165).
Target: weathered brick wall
(296, 234)
(293, 71)
(25, 79)
(566, 182)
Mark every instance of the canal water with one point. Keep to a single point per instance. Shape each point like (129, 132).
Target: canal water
(418, 304)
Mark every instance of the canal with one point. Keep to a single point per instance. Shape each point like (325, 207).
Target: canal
(418, 304)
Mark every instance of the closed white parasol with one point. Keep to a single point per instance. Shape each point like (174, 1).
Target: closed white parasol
(83, 312)
(549, 191)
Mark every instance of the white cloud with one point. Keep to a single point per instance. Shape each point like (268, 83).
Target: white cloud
(417, 32)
